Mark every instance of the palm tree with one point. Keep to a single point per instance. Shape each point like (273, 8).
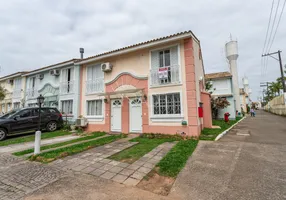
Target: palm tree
(276, 87)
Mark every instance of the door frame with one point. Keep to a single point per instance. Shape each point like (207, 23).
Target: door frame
(111, 115)
(130, 115)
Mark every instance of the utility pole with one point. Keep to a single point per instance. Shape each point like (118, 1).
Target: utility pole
(264, 84)
(281, 67)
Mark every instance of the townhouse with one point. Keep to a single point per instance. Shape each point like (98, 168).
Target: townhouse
(59, 84)
(14, 89)
(153, 87)
(222, 87)
(157, 86)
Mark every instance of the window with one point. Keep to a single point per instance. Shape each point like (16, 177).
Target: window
(164, 58)
(25, 113)
(94, 79)
(67, 80)
(67, 107)
(35, 112)
(32, 82)
(32, 105)
(17, 83)
(167, 104)
(94, 107)
(16, 105)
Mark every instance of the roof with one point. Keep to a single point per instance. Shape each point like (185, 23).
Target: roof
(218, 75)
(13, 75)
(71, 61)
(187, 33)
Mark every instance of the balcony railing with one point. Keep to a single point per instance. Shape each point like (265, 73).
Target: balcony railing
(67, 87)
(165, 75)
(94, 86)
(32, 93)
(16, 93)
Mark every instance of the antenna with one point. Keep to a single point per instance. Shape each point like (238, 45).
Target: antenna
(230, 37)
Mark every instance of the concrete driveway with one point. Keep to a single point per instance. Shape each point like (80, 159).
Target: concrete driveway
(239, 167)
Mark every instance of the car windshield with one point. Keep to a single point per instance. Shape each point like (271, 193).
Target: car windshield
(9, 114)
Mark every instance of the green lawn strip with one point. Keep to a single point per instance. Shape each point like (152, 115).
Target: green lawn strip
(176, 158)
(92, 136)
(77, 148)
(212, 133)
(31, 138)
(144, 146)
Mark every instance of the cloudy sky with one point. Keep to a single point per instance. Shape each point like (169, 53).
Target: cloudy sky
(37, 33)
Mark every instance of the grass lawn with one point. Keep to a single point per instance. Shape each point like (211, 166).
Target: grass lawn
(31, 138)
(176, 158)
(77, 148)
(211, 134)
(144, 146)
(88, 137)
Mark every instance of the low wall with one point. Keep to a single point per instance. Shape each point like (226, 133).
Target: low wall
(277, 106)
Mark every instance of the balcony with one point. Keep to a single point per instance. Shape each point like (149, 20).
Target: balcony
(165, 75)
(32, 93)
(94, 86)
(67, 87)
(17, 93)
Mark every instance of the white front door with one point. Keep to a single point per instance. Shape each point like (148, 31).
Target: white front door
(116, 115)
(135, 111)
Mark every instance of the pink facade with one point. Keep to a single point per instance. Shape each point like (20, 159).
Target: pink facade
(131, 75)
(207, 110)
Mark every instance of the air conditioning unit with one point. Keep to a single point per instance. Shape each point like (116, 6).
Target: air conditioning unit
(10, 81)
(106, 67)
(55, 72)
(82, 122)
(40, 76)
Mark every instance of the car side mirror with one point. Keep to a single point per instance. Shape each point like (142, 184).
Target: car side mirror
(16, 117)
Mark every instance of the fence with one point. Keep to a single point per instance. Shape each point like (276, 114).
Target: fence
(277, 106)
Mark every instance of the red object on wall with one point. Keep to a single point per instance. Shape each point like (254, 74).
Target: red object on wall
(201, 112)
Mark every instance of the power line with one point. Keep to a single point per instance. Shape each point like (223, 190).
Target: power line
(276, 11)
(272, 28)
(277, 25)
(268, 27)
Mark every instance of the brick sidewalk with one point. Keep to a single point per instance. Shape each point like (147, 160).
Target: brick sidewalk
(95, 162)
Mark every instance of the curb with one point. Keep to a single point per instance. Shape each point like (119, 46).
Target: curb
(225, 132)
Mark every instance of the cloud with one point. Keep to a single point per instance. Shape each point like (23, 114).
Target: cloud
(38, 33)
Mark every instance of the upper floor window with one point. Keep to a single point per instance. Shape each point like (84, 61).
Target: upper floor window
(94, 79)
(165, 67)
(67, 81)
(165, 60)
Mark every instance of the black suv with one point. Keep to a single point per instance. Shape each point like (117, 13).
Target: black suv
(26, 119)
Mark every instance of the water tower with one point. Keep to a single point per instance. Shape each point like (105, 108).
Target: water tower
(232, 55)
(245, 84)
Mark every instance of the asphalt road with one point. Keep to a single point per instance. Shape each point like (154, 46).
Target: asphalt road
(247, 163)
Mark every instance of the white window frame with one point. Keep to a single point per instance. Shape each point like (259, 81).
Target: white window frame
(66, 68)
(61, 108)
(179, 63)
(100, 117)
(166, 117)
(86, 78)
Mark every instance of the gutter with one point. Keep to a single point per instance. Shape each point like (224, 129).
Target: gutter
(140, 47)
(226, 131)
(48, 68)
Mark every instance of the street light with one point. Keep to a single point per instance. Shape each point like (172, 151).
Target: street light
(37, 148)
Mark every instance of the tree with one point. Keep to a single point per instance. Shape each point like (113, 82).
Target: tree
(218, 103)
(2, 93)
(209, 86)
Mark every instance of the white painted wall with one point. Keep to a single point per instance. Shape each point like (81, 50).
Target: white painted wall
(221, 87)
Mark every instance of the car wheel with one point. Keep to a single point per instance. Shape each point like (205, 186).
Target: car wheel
(52, 126)
(3, 134)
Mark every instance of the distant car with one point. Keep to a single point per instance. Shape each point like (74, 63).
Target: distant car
(26, 119)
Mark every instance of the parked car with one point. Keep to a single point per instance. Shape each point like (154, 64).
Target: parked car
(26, 119)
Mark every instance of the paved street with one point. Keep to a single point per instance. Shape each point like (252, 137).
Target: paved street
(239, 166)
